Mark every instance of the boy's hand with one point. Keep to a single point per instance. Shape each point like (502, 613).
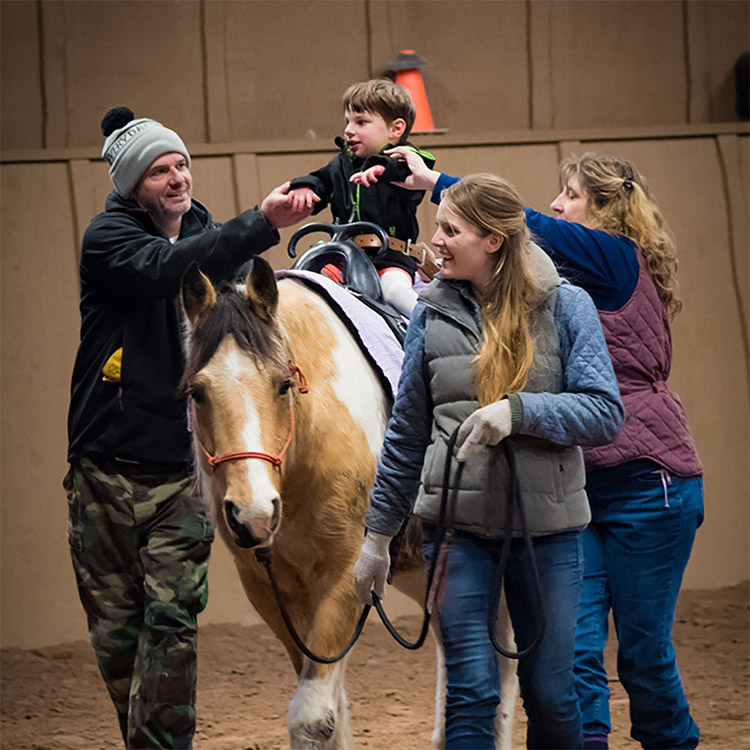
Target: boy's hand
(303, 199)
(421, 177)
(369, 176)
(279, 210)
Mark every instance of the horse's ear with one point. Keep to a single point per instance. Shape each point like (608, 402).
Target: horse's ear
(196, 293)
(261, 288)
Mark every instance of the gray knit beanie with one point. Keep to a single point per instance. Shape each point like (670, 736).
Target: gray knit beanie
(131, 145)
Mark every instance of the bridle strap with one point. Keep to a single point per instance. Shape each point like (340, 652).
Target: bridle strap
(294, 370)
(302, 387)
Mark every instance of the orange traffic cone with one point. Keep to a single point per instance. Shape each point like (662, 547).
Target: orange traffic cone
(406, 67)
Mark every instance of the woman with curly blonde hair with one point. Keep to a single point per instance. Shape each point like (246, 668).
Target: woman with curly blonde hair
(619, 202)
(501, 346)
(645, 489)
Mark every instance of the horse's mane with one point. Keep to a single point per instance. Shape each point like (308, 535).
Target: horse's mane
(231, 315)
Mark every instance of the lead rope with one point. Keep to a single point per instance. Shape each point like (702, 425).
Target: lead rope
(438, 559)
(263, 556)
(439, 555)
(514, 498)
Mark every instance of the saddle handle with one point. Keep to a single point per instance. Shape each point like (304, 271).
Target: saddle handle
(339, 232)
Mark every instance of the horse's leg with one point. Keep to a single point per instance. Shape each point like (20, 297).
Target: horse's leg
(318, 714)
(316, 718)
(412, 583)
(508, 692)
(508, 683)
(258, 590)
(438, 732)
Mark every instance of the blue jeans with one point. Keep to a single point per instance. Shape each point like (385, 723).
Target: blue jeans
(546, 676)
(635, 552)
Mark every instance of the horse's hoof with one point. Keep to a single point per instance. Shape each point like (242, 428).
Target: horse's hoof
(314, 734)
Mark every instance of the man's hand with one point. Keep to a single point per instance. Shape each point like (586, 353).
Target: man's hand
(303, 198)
(279, 210)
(421, 177)
(486, 426)
(371, 568)
(368, 176)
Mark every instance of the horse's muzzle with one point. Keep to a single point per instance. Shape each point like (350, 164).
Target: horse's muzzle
(244, 535)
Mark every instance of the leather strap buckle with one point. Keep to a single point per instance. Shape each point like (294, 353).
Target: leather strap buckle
(372, 240)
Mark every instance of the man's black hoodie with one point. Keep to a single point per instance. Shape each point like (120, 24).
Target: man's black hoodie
(130, 278)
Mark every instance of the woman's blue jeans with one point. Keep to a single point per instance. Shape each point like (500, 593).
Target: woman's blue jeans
(635, 552)
(546, 675)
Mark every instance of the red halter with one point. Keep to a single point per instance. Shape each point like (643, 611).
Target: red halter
(214, 461)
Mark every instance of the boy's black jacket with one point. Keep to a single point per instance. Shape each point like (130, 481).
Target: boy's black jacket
(391, 207)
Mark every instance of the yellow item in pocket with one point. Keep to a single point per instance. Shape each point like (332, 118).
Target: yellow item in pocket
(112, 368)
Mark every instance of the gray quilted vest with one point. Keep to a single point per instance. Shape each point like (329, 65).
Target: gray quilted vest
(551, 476)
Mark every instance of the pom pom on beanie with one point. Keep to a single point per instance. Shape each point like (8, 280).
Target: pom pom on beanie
(116, 118)
(131, 146)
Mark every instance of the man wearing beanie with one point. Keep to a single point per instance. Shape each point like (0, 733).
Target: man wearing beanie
(138, 536)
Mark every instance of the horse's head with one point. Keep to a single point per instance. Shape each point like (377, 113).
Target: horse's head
(239, 383)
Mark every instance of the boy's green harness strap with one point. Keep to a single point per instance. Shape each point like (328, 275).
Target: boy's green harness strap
(419, 152)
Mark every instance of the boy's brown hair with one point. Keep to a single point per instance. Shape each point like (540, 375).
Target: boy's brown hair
(383, 97)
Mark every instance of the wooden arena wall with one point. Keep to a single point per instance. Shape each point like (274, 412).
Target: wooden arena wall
(223, 71)
(700, 179)
(254, 88)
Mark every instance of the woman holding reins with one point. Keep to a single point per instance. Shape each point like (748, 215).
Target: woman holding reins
(499, 345)
(646, 488)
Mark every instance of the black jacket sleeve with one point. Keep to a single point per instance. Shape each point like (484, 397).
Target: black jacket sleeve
(122, 258)
(396, 170)
(320, 182)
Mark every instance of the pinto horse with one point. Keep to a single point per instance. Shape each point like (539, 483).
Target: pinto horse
(288, 418)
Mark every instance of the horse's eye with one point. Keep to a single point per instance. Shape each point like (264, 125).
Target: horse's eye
(197, 393)
(284, 387)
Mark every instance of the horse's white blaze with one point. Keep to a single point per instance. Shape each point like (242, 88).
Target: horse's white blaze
(258, 472)
(355, 384)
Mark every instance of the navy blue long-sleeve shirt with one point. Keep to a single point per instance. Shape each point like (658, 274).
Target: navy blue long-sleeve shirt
(605, 265)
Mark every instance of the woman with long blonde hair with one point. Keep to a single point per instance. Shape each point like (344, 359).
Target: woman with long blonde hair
(646, 488)
(500, 346)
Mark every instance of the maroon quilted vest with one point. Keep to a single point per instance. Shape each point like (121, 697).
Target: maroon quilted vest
(640, 344)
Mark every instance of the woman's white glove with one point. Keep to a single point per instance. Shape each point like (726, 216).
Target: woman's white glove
(371, 568)
(486, 426)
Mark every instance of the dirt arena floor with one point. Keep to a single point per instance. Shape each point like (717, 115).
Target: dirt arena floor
(53, 698)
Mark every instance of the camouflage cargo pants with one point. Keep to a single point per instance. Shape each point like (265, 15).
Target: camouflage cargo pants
(140, 543)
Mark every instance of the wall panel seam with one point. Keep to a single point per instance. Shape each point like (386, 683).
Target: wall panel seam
(42, 77)
(731, 219)
(529, 66)
(75, 198)
(368, 38)
(204, 72)
(235, 184)
(686, 60)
